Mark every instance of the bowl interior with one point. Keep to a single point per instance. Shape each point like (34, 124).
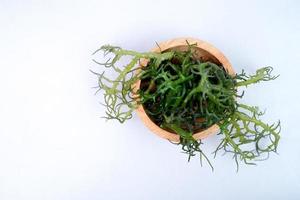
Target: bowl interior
(199, 54)
(203, 51)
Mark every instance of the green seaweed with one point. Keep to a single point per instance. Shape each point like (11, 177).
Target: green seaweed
(184, 95)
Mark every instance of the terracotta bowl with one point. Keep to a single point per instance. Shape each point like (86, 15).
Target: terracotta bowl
(206, 52)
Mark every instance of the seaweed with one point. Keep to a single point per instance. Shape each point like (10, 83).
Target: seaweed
(185, 95)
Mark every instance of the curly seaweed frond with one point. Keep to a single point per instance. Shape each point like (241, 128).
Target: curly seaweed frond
(189, 144)
(247, 137)
(119, 98)
(262, 74)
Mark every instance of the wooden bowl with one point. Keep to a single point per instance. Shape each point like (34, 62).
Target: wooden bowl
(206, 52)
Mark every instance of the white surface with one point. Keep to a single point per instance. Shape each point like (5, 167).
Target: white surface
(53, 145)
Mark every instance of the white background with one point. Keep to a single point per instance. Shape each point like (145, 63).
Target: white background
(53, 143)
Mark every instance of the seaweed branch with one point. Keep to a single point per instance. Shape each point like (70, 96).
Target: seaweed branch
(118, 93)
(247, 137)
(262, 74)
(189, 144)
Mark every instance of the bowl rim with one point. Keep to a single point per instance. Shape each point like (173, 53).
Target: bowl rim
(165, 45)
